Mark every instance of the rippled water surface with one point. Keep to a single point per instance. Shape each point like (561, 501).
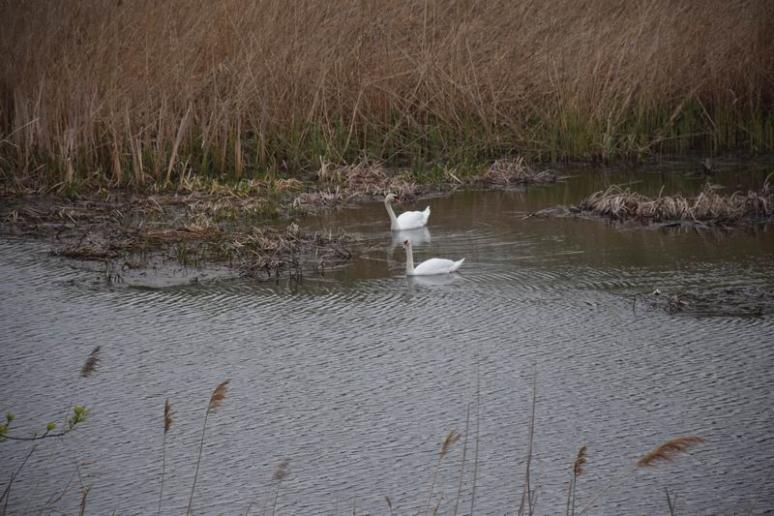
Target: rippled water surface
(355, 377)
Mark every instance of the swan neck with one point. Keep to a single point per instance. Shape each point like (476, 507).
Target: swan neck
(409, 260)
(391, 213)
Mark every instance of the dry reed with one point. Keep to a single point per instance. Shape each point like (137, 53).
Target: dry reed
(158, 92)
(167, 425)
(216, 399)
(167, 416)
(668, 451)
(504, 172)
(709, 207)
(91, 363)
(448, 442)
(577, 470)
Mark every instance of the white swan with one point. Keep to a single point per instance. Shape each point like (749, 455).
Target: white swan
(406, 220)
(428, 267)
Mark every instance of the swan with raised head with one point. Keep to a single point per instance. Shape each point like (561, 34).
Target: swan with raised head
(406, 220)
(428, 267)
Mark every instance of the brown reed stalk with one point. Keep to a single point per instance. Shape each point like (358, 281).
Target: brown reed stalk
(218, 395)
(280, 473)
(451, 438)
(84, 494)
(478, 434)
(577, 470)
(167, 425)
(528, 495)
(464, 455)
(91, 363)
(670, 502)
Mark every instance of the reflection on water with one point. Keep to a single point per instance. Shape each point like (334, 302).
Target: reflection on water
(355, 377)
(417, 236)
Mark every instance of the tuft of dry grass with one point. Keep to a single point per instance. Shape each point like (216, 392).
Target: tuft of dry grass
(91, 363)
(155, 93)
(667, 451)
(504, 172)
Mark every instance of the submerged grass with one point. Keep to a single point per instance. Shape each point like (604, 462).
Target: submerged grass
(116, 93)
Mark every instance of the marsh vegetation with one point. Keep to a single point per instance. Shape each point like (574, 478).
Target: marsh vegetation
(95, 93)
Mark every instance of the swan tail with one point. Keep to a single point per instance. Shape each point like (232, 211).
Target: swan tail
(456, 265)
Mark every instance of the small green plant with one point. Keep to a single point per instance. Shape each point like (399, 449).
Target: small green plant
(77, 417)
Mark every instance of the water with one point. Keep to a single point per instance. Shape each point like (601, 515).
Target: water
(356, 377)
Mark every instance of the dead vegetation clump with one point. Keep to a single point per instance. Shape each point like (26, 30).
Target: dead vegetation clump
(709, 207)
(505, 172)
(263, 253)
(736, 301)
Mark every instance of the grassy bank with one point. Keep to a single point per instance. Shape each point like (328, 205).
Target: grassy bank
(139, 92)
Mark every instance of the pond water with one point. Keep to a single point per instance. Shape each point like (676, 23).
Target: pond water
(355, 377)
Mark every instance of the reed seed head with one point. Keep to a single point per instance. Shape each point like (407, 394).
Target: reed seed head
(580, 461)
(91, 363)
(167, 416)
(281, 471)
(218, 395)
(669, 450)
(451, 438)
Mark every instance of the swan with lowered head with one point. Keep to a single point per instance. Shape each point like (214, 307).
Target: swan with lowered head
(406, 220)
(428, 267)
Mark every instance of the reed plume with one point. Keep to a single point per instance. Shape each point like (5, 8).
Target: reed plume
(167, 416)
(580, 461)
(451, 438)
(668, 451)
(218, 395)
(280, 473)
(577, 470)
(91, 363)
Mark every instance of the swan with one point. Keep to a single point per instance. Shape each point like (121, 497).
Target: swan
(428, 267)
(406, 220)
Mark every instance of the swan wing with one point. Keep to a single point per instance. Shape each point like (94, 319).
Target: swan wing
(412, 219)
(436, 266)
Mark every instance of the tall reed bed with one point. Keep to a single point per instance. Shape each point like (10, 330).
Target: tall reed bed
(141, 91)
